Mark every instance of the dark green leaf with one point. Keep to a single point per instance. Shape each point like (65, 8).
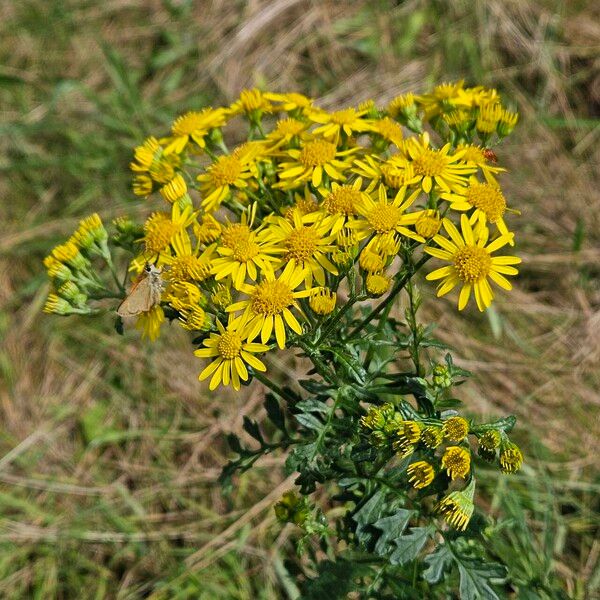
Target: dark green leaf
(392, 528)
(475, 577)
(409, 546)
(437, 562)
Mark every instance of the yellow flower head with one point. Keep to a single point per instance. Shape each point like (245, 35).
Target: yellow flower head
(322, 301)
(439, 169)
(316, 159)
(457, 461)
(304, 244)
(231, 355)
(456, 429)
(341, 122)
(457, 507)
(243, 252)
(252, 103)
(195, 126)
(161, 228)
(511, 457)
(432, 436)
(230, 171)
(420, 474)
(389, 130)
(269, 303)
(377, 284)
(471, 263)
(383, 216)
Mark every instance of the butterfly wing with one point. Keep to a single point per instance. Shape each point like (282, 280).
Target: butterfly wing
(141, 298)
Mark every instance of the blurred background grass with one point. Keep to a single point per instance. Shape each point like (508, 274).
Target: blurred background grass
(110, 449)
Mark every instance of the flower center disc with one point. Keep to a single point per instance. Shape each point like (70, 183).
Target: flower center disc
(343, 117)
(271, 297)
(429, 164)
(230, 345)
(226, 170)
(301, 244)
(472, 264)
(317, 153)
(384, 217)
(342, 201)
(487, 198)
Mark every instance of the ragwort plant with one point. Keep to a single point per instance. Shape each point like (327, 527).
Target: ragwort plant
(303, 236)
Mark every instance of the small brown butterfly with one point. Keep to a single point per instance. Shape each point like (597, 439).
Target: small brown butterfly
(490, 155)
(144, 293)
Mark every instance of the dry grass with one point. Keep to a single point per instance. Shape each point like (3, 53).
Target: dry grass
(111, 449)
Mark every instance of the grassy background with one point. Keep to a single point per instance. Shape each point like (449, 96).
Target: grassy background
(110, 449)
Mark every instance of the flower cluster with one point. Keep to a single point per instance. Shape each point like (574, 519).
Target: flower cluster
(302, 235)
(261, 243)
(440, 449)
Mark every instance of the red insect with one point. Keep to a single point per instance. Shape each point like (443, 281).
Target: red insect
(490, 155)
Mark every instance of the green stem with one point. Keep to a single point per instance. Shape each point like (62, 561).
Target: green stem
(414, 328)
(400, 284)
(273, 386)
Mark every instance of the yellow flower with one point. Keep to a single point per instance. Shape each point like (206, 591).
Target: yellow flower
(175, 189)
(146, 154)
(471, 263)
(208, 230)
(286, 130)
(160, 229)
(269, 302)
(340, 204)
(389, 130)
(56, 269)
(507, 122)
(291, 102)
(442, 97)
(231, 354)
(195, 126)
(149, 322)
(456, 461)
(488, 118)
(456, 429)
(377, 284)
(251, 103)
(227, 172)
(407, 432)
(187, 263)
(322, 301)
(480, 157)
(316, 159)
(457, 507)
(511, 457)
(488, 203)
(432, 436)
(305, 245)
(428, 224)
(243, 252)
(384, 217)
(403, 106)
(420, 474)
(346, 121)
(490, 440)
(439, 168)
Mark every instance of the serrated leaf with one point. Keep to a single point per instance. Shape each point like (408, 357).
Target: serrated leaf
(475, 577)
(437, 562)
(252, 429)
(409, 546)
(446, 403)
(392, 528)
(234, 443)
(312, 405)
(309, 421)
(274, 412)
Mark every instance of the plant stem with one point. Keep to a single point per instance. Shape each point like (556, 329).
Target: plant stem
(400, 284)
(272, 386)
